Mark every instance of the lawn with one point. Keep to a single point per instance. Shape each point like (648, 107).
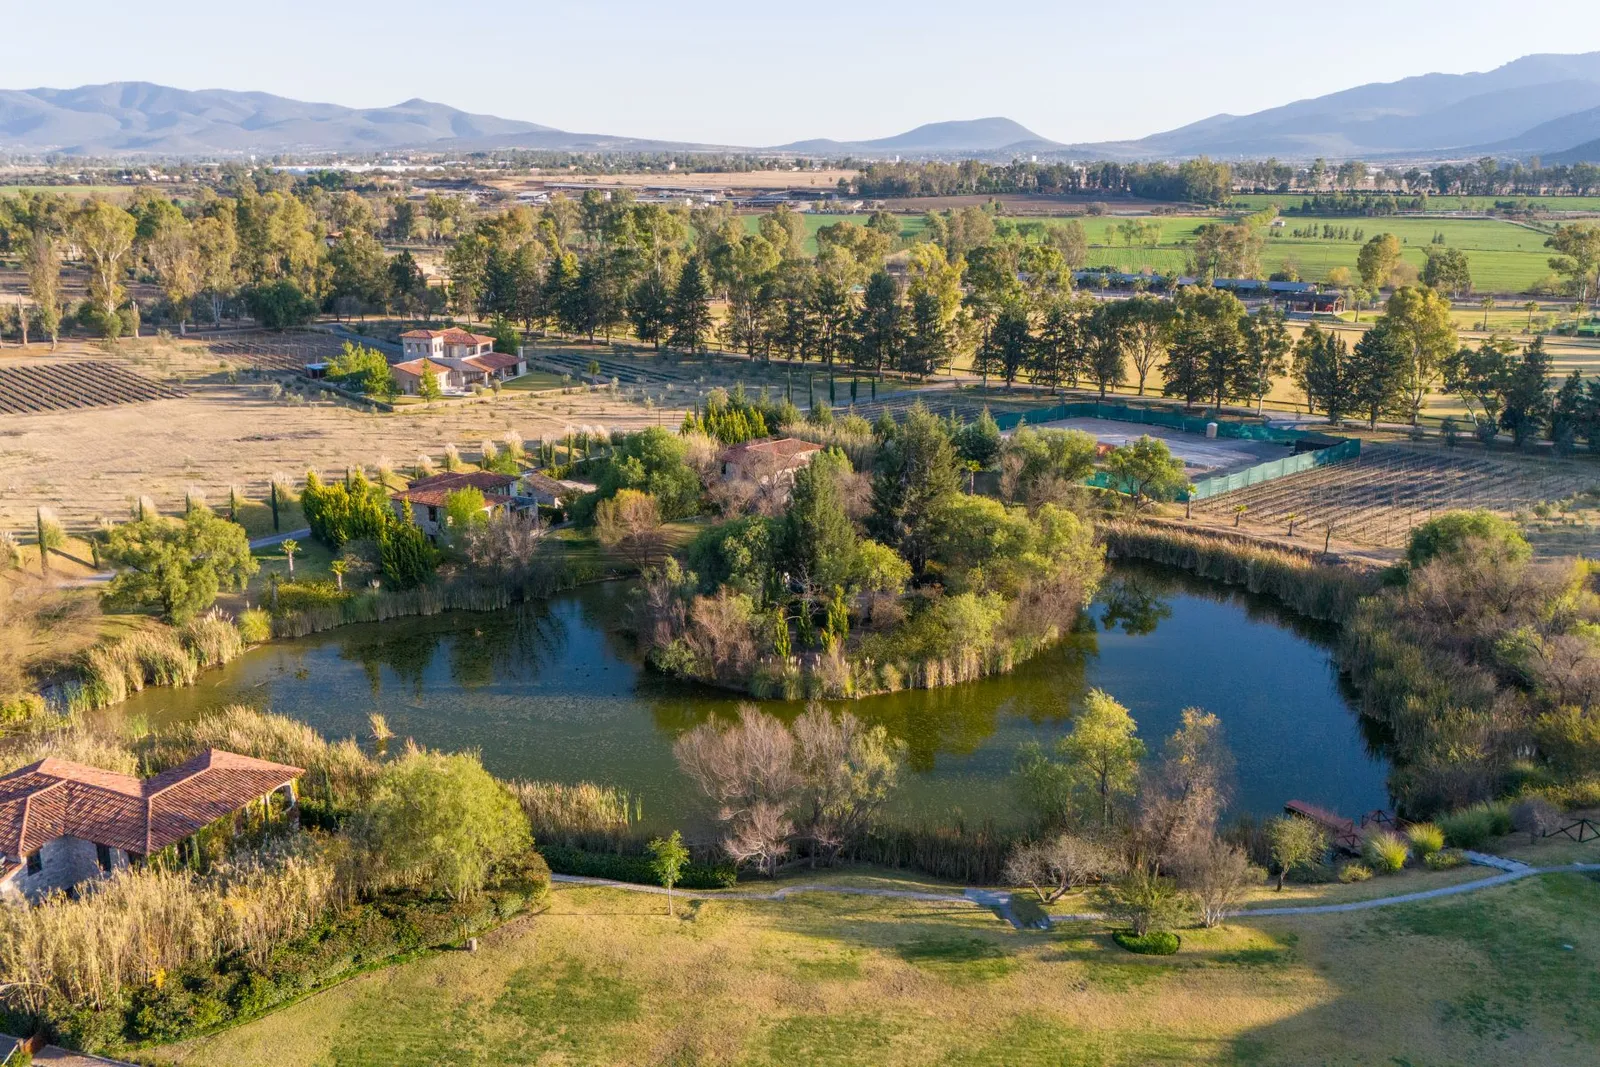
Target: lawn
(1507, 975)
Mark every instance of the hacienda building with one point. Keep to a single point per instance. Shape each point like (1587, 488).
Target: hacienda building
(426, 497)
(63, 823)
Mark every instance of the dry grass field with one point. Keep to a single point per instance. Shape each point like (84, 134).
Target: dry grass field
(94, 463)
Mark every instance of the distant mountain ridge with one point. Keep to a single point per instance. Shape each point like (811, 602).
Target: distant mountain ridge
(1545, 105)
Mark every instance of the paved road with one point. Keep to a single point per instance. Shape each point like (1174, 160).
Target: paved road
(264, 542)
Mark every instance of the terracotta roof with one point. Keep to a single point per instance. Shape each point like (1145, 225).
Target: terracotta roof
(452, 336)
(55, 798)
(434, 489)
(414, 366)
(781, 447)
(492, 361)
(486, 481)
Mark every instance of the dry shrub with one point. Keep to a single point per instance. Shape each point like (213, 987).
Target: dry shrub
(155, 656)
(72, 742)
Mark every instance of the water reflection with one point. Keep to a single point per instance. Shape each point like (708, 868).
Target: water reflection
(558, 691)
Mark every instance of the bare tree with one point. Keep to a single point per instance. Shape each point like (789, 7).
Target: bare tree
(1052, 867)
(630, 522)
(507, 546)
(1217, 875)
(1182, 796)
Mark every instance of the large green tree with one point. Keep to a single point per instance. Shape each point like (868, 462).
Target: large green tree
(178, 566)
(1420, 319)
(917, 469)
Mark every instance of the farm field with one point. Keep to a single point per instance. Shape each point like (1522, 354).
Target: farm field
(1257, 201)
(94, 463)
(607, 976)
(64, 385)
(1505, 257)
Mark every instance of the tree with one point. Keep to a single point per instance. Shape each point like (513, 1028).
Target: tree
(50, 537)
(1379, 368)
(1182, 796)
(1266, 349)
(1145, 329)
(1480, 377)
(1579, 259)
(405, 555)
(464, 508)
(440, 822)
(650, 309)
(818, 540)
(1205, 357)
(1058, 864)
(916, 471)
(668, 856)
(691, 308)
(1216, 875)
(428, 385)
(43, 264)
(175, 566)
(880, 326)
(1147, 470)
(1295, 843)
(979, 441)
(105, 234)
(1107, 348)
(1458, 534)
(1006, 349)
(289, 546)
(1527, 407)
(630, 522)
(1420, 319)
(1447, 272)
(337, 569)
(280, 305)
(1377, 260)
(1103, 749)
(1144, 902)
(1322, 371)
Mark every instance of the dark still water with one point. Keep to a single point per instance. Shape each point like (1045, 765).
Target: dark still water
(554, 691)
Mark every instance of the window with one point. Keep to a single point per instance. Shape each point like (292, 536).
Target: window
(433, 513)
(103, 854)
(35, 864)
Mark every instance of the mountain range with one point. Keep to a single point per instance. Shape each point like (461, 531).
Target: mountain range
(1545, 105)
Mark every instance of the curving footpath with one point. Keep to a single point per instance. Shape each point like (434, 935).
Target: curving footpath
(999, 901)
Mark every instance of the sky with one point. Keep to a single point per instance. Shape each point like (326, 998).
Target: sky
(773, 73)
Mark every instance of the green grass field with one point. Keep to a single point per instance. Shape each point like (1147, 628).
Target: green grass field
(1505, 975)
(1257, 201)
(1505, 257)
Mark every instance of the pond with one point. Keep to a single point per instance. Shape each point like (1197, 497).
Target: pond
(555, 691)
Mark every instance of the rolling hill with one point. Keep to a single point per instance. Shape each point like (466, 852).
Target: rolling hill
(981, 136)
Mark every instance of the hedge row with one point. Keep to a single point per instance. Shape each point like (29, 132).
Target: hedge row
(636, 869)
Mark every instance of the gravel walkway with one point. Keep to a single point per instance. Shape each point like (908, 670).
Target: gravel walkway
(999, 901)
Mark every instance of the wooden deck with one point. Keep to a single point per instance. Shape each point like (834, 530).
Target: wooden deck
(1342, 833)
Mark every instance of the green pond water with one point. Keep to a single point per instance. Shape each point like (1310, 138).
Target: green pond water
(555, 691)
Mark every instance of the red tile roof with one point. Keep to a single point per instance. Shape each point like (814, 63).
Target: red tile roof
(414, 367)
(789, 448)
(492, 361)
(433, 489)
(55, 798)
(452, 336)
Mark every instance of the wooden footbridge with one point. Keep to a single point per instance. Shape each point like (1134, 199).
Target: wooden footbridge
(1343, 833)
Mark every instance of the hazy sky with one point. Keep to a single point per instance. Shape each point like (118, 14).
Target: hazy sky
(756, 74)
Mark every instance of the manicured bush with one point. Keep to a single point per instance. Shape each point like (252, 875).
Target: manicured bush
(1155, 943)
(1386, 853)
(1354, 872)
(635, 869)
(1475, 826)
(1443, 860)
(1425, 838)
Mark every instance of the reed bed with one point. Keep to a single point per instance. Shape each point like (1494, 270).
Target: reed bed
(585, 815)
(1330, 592)
(136, 927)
(339, 769)
(955, 851)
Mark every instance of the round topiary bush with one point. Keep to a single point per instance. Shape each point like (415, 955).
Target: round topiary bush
(1154, 943)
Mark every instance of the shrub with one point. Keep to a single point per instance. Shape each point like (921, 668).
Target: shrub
(440, 822)
(639, 870)
(255, 626)
(1385, 852)
(212, 639)
(1425, 838)
(1354, 872)
(1155, 943)
(1443, 860)
(1535, 817)
(1145, 902)
(1473, 827)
